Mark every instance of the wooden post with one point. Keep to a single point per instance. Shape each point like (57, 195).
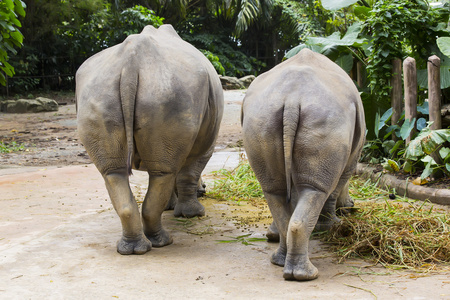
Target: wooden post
(410, 86)
(434, 91)
(359, 74)
(396, 93)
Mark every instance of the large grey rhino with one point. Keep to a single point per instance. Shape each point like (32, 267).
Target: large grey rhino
(303, 129)
(151, 103)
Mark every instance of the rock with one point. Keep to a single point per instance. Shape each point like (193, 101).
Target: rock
(39, 104)
(246, 80)
(234, 83)
(231, 83)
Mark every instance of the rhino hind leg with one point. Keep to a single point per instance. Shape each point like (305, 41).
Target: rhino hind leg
(201, 191)
(155, 202)
(344, 202)
(188, 184)
(133, 240)
(281, 213)
(272, 233)
(301, 224)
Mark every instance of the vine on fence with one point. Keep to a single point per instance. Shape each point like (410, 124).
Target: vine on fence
(398, 29)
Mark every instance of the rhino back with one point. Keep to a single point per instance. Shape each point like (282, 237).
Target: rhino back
(330, 118)
(174, 82)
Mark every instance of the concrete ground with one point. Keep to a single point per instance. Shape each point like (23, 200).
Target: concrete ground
(58, 235)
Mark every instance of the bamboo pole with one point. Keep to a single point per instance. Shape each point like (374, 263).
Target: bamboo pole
(410, 86)
(434, 91)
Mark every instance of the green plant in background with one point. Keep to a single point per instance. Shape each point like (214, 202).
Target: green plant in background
(340, 49)
(399, 29)
(430, 152)
(219, 45)
(26, 66)
(214, 61)
(383, 147)
(376, 32)
(11, 37)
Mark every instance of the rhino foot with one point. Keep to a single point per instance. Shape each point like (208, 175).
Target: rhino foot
(129, 246)
(189, 210)
(278, 257)
(160, 239)
(325, 223)
(272, 233)
(299, 268)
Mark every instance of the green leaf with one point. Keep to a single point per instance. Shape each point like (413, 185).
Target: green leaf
(444, 152)
(337, 4)
(19, 8)
(17, 36)
(294, 51)
(349, 39)
(384, 118)
(362, 12)
(444, 45)
(407, 167)
(345, 61)
(377, 124)
(397, 145)
(447, 166)
(427, 172)
(414, 149)
(9, 4)
(422, 77)
(423, 109)
(406, 128)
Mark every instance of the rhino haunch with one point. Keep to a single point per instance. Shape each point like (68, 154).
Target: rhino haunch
(303, 129)
(151, 103)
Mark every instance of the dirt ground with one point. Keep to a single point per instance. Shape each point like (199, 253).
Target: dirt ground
(58, 233)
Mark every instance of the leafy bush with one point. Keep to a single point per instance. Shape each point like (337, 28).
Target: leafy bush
(429, 151)
(214, 61)
(107, 28)
(11, 37)
(234, 61)
(398, 29)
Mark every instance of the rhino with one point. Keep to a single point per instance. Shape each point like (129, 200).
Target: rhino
(152, 103)
(303, 131)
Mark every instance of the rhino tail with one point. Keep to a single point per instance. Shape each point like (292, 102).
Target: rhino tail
(128, 89)
(291, 117)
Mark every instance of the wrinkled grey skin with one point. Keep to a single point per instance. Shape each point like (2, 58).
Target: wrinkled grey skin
(303, 129)
(151, 103)
(343, 204)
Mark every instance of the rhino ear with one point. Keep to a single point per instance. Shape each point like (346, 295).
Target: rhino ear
(168, 30)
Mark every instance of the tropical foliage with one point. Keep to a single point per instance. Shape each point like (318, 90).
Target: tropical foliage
(11, 37)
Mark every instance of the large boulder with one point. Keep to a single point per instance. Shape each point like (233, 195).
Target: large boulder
(234, 83)
(39, 104)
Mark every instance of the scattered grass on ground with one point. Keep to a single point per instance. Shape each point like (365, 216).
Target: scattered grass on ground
(239, 184)
(398, 233)
(8, 147)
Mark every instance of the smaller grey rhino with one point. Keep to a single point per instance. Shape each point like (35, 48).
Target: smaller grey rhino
(303, 129)
(152, 103)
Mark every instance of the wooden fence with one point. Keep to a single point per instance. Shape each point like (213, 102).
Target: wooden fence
(410, 88)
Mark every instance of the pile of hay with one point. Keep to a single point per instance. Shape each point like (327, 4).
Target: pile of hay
(401, 233)
(396, 234)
